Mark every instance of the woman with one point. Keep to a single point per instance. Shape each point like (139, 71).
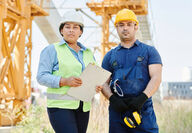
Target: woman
(59, 69)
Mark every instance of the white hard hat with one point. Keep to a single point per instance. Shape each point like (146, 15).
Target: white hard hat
(72, 16)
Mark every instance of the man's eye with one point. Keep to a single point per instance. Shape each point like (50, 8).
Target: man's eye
(130, 24)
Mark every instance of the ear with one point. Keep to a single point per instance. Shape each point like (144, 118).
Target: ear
(136, 27)
(81, 32)
(61, 31)
(116, 26)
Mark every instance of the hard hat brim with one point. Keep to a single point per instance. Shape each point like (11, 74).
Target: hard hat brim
(80, 24)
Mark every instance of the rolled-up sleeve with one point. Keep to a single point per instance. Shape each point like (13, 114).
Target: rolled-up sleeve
(47, 64)
(106, 62)
(154, 56)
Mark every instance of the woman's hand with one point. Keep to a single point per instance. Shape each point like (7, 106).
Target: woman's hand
(74, 81)
(71, 81)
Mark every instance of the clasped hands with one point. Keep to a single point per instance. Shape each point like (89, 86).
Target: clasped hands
(131, 103)
(120, 104)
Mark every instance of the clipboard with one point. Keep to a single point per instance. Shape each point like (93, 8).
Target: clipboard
(92, 76)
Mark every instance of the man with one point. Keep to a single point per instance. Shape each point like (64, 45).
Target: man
(136, 75)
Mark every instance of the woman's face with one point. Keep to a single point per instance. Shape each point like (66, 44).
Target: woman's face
(71, 32)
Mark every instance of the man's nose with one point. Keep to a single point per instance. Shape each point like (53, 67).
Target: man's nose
(125, 27)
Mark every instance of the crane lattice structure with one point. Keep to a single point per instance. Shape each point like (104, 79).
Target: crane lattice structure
(15, 56)
(108, 8)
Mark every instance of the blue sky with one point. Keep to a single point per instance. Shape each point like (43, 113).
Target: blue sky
(173, 24)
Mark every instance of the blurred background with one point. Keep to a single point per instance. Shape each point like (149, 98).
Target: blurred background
(28, 26)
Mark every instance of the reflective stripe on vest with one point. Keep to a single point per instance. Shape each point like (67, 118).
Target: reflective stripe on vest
(60, 97)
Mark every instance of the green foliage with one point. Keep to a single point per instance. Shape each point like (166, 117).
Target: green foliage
(35, 121)
(174, 116)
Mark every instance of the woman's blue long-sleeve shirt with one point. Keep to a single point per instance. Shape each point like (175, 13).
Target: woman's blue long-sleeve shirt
(49, 63)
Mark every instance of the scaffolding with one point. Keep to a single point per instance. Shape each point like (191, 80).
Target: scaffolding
(107, 9)
(15, 56)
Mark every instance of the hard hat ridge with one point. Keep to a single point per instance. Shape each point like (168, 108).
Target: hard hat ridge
(72, 16)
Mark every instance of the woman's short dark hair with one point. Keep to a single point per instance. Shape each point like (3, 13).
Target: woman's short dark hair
(62, 25)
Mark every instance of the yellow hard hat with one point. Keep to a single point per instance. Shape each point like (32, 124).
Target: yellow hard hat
(126, 14)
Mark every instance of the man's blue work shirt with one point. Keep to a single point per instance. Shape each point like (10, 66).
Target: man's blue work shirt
(49, 63)
(130, 76)
(127, 59)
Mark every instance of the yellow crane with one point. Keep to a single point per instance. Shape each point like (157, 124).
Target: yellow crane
(108, 8)
(15, 56)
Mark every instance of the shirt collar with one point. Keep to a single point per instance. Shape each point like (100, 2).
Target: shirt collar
(136, 43)
(62, 42)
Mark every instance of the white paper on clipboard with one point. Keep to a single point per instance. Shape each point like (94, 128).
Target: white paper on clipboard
(91, 77)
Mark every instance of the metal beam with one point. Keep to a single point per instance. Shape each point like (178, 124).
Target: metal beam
(78, 9)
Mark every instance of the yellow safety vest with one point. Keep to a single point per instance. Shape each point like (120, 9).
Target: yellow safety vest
(68, 66)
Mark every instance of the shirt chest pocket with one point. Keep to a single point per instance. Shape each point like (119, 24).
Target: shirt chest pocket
(141, 65)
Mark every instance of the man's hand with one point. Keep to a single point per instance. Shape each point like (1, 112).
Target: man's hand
(136, 103)
(119, 104)
(71, 81)
(106, 90)
(98, 88)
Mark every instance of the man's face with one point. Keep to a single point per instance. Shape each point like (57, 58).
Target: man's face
(126, 30)
(71, 32)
